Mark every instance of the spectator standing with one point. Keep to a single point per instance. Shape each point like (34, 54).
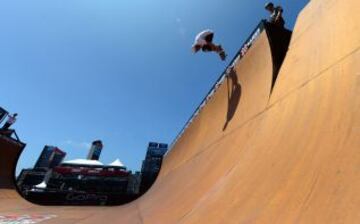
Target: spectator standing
(275, 14)
(10, 121)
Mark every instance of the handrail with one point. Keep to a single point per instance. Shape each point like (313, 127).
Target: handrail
(240, 54)
(17, 137)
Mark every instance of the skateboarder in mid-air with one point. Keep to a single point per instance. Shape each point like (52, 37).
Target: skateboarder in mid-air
(204, 42)
(275, 14)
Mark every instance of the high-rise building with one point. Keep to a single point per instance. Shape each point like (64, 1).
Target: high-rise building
(152, 164)
(50, 157)
(133, 187)
(95, 150)
(157, 149)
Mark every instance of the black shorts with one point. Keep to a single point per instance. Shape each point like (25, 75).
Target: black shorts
(209, 38)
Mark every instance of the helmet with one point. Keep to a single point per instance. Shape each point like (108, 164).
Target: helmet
(269, 4)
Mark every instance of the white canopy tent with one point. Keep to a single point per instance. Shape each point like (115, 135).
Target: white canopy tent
(117, 163)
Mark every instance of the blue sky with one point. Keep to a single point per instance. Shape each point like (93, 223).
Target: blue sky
(119, 71)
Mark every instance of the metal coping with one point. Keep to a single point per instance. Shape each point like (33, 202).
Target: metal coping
(238, 56)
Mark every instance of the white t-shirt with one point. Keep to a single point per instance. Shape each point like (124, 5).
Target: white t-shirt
(200, 38)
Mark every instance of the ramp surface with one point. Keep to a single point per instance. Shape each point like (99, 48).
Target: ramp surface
(257, 154)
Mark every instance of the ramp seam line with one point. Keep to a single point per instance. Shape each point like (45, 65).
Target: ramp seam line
(205, 148)
(215, 188)
(315, 76)
(139, 213)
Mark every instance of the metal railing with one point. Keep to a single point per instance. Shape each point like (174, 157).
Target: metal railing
(16, 136)
(238, 56)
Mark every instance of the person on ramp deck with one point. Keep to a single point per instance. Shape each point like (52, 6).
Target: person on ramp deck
(10, 121)
(275, 14)
(204, 42)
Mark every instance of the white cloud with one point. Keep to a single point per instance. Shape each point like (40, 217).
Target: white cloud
(180, 27)
(77, 145)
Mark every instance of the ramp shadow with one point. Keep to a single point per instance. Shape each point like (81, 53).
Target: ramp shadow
(234, 95)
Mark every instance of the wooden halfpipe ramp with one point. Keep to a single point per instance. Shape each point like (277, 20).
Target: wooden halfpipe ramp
(266, 147)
